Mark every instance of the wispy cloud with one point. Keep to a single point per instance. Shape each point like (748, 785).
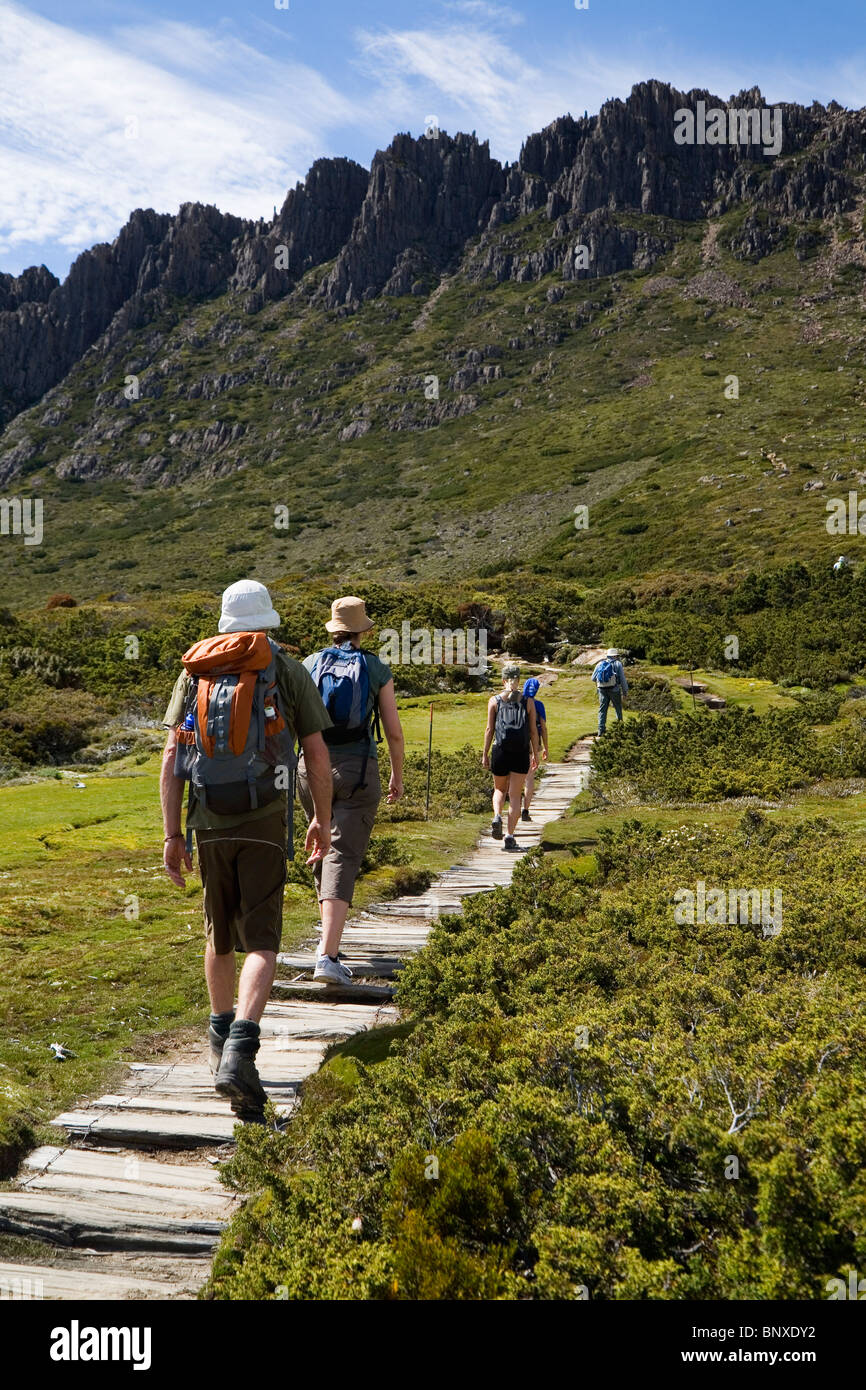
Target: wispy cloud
(471, 78)
(151, 115)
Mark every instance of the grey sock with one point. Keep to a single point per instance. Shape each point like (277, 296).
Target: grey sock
(221, 1023)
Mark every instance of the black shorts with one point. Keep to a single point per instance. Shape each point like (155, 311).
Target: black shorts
(504, 761)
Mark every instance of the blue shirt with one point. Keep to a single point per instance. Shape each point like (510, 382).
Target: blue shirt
(539, 711)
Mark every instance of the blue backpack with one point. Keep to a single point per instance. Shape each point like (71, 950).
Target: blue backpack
(343, 681)
(607, 674)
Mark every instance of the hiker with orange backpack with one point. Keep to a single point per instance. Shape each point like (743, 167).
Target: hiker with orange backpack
(233, 718)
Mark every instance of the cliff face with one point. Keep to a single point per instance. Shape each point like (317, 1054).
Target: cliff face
(425, 198)
(44, 334)
(428, 204)
(311, 227)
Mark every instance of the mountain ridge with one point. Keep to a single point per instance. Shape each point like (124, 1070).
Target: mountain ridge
(412, 213)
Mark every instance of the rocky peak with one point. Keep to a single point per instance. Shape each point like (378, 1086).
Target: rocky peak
(425, 197)
(312, 225)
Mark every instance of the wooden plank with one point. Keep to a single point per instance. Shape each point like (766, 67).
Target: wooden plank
(363, 967)
(150, 1102)
(62, 1221)
(130, 1195)
(150, 1131)
(349, 993)
(79, 1281)
(100, 1167)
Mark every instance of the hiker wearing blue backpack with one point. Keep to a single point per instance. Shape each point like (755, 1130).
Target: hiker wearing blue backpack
(530, 690)
(357, 690)
(609, 677)
(513, 733)
(233, 718)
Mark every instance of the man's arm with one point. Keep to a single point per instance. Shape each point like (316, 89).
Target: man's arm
(318, 767)
(622, 680)
(394, 734)
(175, 855)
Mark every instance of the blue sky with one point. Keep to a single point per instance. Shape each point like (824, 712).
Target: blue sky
(107, 106)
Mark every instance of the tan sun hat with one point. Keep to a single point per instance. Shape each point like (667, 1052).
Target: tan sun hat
(349, 615)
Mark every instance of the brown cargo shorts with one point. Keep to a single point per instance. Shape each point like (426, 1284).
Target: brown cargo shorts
(243, 872)
(352, 819)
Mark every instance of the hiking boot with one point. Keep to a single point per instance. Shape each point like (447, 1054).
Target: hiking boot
(238, 1078)
(496, 828)
(332, 972)
(525, 816)
(218, 1031)
(511, 844)
(248, 1114)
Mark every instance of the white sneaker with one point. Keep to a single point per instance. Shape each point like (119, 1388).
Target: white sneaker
(333, 972)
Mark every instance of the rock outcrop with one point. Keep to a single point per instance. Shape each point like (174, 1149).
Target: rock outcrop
(425, 198)
(45, 335)
(312, 226)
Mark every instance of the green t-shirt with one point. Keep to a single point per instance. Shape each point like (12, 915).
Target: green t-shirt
(380, 675)
(303, 709)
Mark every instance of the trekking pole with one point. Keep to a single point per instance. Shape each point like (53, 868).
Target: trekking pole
(429, 760)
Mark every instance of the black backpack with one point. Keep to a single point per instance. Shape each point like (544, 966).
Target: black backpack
(512, 724)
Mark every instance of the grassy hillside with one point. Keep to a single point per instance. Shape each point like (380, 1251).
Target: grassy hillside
(607, 393)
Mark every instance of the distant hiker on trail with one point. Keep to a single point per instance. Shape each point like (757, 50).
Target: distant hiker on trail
(233, 718)
(530, 687)
(512, 729)
(612, 686)
(357, 689)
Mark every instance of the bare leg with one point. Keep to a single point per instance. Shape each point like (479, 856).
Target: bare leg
(334, 912)
(219, 971)
(529, 789)
(500, 786)
(515, 789)
(254, 987)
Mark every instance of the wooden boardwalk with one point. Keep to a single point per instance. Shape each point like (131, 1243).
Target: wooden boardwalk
(128, 1203)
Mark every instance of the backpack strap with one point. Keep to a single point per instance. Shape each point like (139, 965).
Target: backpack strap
(371, 722)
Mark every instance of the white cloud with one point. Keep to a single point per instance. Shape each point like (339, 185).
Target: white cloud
(217, 122)
(471, 79)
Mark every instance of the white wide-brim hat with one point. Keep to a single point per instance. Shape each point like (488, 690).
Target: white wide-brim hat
(612, 651)
(247, 607)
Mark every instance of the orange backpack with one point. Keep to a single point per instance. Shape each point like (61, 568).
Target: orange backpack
(234, 745)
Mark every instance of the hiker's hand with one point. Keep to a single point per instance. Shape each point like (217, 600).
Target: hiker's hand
(174, 856)
(395, 788)
(485, 760)
(533, 762)
(318, 841)
(544, 755)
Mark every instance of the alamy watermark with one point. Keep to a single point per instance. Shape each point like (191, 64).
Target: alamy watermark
(436, 646)
(854, 1289)
(847, 517)
(720, 906)
(22, 516)
(729, 125)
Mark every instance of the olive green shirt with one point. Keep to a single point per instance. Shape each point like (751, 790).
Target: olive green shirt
(302, 707)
